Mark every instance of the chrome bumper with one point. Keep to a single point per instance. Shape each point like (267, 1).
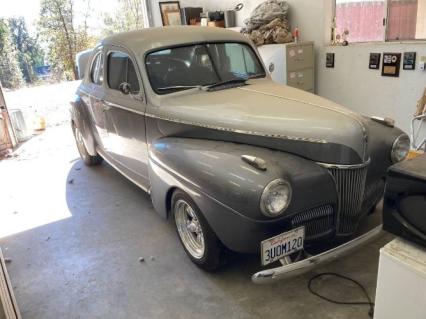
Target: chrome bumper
(299, 267)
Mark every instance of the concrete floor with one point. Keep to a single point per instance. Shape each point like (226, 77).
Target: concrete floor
(75, 234)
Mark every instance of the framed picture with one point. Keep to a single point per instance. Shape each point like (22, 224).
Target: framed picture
(170, 13)
(391, 64)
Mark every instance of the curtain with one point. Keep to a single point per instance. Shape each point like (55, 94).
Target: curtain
(363, 19)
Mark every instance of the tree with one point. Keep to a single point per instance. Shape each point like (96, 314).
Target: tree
(10, 74)
(64, 37)
(30, 54)
(128, 17)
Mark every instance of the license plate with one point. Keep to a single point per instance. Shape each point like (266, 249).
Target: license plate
(282, 245)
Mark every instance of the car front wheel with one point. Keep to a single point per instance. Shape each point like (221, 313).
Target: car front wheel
(197, 238)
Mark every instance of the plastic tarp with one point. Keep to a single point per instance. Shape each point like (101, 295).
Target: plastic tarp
(268, 23)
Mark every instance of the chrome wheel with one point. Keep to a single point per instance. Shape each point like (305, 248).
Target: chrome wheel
(80, 143)
(189, 229)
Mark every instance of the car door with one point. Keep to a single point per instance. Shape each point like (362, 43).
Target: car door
(96, 96)
(125, 112)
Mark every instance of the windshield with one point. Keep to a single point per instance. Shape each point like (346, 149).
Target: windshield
(181, 68)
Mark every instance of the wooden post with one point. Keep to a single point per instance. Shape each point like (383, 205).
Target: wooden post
(7, 135)
(8, 306)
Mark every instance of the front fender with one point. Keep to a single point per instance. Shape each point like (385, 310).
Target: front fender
(215, 168)
(227, 190)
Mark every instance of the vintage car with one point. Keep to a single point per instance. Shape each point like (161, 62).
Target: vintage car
(240, 163)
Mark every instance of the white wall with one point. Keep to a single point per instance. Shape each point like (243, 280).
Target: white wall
(212, 5)
(350, 83)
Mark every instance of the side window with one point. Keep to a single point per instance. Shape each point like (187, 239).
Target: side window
(121, 70)
(241, 59)
(97, 71)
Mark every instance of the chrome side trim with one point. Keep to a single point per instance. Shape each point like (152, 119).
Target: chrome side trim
(111, 104)
(286, 137)
(101, 153)
(384, 120)
(123, 108)
(299, 267)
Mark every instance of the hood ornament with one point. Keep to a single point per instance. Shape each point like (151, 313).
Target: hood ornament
(254, 161)
(384, 120)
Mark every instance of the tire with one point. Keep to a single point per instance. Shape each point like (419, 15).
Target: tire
(207, 253)
(88, 159)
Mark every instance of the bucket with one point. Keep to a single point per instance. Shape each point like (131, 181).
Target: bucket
(229, 18)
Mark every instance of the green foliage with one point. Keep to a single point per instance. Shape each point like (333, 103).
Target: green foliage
(58, 28)
(128, 17)
(10, 73)
(30, 54)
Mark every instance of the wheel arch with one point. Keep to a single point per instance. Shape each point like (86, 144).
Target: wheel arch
(168, 199)
(80, 119)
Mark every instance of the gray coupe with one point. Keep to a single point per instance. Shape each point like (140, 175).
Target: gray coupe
(240, 163)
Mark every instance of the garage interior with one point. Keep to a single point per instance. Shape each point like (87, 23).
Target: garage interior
(85, 242)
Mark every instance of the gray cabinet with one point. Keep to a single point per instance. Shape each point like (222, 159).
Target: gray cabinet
(291, 64)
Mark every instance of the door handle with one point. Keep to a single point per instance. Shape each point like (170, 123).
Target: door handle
(105, 105)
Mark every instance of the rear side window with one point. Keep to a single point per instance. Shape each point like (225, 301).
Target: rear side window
(122, 70)
(97, 71)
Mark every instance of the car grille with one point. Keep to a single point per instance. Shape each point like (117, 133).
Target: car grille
(318, 221)
(373, 193)
(350, 184)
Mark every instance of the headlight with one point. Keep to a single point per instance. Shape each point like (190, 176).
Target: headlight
(400, 148)
(275, 198)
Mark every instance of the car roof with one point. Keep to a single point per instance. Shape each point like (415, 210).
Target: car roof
(141, 41)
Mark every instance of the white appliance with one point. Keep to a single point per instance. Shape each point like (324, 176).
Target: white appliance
(290, 63)
(401, 283)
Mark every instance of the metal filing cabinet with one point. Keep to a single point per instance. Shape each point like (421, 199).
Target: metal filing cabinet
(290, 63)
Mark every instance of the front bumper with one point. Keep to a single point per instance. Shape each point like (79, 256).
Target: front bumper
(299, 267)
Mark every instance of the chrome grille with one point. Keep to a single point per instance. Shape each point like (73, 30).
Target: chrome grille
(317, 221)
(373, 193)
(350, 184)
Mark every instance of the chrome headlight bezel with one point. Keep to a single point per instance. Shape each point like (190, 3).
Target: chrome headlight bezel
(267, 191)
(402, 141)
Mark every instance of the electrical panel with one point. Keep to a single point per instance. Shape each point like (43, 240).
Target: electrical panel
(329, 60)
(409, 61)
(391, 64)
(374, 63)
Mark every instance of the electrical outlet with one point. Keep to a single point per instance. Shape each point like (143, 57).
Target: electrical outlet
(422, 63)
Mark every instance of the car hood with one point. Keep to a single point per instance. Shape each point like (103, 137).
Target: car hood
(266, 109)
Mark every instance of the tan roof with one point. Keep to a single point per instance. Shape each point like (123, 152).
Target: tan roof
(144, 40)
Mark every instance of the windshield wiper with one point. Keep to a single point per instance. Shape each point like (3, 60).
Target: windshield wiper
(256, 75)
(237, 80)
(177, 87)
(211, 86)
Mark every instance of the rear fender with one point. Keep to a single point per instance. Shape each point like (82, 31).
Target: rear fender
(81, 119)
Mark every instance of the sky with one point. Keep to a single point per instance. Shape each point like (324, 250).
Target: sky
(29, 9)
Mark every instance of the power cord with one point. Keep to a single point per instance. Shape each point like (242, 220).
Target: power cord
(339, 302)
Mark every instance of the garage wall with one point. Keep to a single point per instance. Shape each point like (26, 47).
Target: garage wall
(350, 83)
(212, 5)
